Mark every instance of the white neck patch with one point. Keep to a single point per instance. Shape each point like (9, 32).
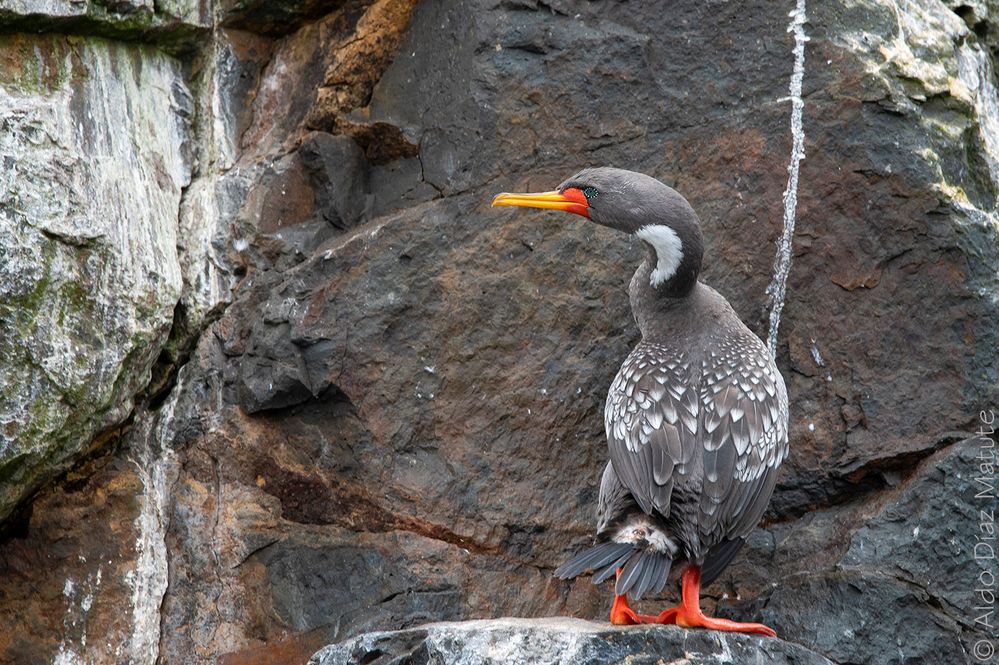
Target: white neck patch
(669, 251)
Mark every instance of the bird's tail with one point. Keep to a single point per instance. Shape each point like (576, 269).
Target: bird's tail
(642, 569)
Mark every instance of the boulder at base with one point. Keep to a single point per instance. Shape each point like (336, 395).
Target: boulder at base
(560, 640)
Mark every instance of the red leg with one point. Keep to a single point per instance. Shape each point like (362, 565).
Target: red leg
(689, 615)
(622, 615)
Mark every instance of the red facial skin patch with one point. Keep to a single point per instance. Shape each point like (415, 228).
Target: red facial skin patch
(580, 205)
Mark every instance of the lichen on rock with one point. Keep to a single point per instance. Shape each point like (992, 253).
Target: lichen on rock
(174, 25)
(95, 148)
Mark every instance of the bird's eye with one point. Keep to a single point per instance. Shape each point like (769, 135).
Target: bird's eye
(590, 193)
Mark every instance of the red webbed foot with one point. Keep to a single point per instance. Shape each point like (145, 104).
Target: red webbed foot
(699, 620)
(668, 617)
(622, 615)
(689, 615)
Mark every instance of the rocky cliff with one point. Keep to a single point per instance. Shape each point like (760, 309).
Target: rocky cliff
(274, 375)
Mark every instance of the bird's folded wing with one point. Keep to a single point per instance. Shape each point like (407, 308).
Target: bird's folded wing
(743, 434)
(651, 418)
(662, 430)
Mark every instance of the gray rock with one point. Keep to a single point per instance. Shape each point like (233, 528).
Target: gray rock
(909, 561)
(340, 172)
(560, 641)
(96, 152)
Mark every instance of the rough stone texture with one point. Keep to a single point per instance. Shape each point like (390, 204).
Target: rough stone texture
(96, 152)
(358, 65)
(175, 25)
(559, 641)
(273, 18)
(389, 410)
(905, 559)
(97, 535)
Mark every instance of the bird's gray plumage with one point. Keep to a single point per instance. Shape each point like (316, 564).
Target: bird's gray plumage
(710, 419)
(696, 418)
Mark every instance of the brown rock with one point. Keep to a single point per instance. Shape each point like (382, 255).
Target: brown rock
(359, 62)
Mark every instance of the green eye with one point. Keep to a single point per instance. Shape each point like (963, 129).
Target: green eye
(590, 193)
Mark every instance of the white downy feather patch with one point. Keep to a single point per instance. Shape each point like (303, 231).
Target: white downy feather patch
(642, 531)
(669, 251)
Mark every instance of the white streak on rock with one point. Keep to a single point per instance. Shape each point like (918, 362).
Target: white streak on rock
(66, 656)
(817, 355)
(73, 645)
(156, 465)
(975, 70)
(782, 263)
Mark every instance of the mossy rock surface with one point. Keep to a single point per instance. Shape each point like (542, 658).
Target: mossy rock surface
(94, 146)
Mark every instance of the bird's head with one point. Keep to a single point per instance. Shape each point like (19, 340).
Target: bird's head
(636, 204)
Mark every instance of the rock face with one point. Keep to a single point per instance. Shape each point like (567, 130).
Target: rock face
(276, 376)
(907, 559)
(559, 641)
(96, 146)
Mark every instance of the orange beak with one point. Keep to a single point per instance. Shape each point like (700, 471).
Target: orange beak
(570, 199)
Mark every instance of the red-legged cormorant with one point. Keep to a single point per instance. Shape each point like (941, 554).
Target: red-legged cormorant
(696, 418)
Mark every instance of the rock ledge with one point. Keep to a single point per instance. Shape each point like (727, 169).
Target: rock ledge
(561, 640)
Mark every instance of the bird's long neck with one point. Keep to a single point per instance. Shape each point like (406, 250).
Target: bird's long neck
(652, 296)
